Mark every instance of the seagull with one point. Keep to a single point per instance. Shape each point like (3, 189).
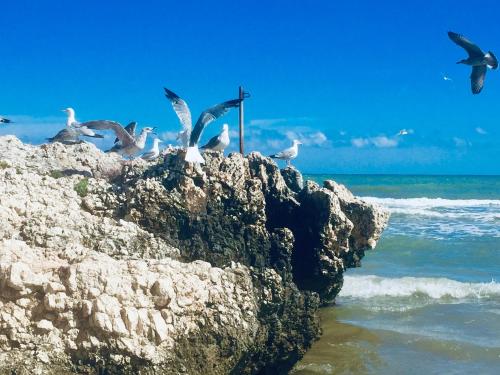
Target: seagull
(446, 78)
(190, 137)
(219, 142)
(130, 146)
(154, 152)
(81, 130)
(67, 136)
(183, 113)
(4, 120)
(289, 153)
(130, 128)
(403, 132)
(477, 59)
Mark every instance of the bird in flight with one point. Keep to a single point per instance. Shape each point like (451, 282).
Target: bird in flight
(479, 61)
(289, 153)
(191, 136)
(403, 132)
(219, 142)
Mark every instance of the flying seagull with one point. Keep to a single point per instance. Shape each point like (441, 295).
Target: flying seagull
(130, 146)
(477, 59)
(219, 142)
(130, 128)
(190, 137)
(79, 128)
(289, 153)
(4, 120)
(403, 132)
(154, 152)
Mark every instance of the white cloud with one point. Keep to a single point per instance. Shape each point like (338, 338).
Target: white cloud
(481, 131)
(266, 121)
(459, 142)
(380, 141)
(383, 142)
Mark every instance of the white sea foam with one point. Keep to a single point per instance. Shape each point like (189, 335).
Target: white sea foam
(371, 286)
(428, 203)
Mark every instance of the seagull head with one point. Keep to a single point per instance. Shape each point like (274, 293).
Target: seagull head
(148, 129)
(296, 142)
(225, 127)
(69, 111)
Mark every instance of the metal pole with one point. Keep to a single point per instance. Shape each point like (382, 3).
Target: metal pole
(241, 112)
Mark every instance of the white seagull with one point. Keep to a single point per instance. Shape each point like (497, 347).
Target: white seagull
(130, 145)
(81, 130)
(191, 136)
(289, 153)
(4, 120)
(403, 132)
(154, 152)
(219, 142)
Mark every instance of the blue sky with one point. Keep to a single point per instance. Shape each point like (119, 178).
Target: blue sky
(345, 77)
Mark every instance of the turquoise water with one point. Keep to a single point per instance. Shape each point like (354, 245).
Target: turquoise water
(427, 300)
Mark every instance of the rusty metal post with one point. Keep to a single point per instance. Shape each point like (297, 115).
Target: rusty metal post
(242, 127)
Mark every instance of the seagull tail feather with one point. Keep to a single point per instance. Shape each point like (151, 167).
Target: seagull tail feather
(193, 155)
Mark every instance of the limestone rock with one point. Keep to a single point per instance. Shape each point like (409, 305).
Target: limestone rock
(167, 268)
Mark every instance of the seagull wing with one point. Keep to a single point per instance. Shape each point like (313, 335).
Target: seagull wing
(214, 141)
(477, 78)
(210, 115)
(5, 120)
(148, 155)
(123, 135)
(181, 109)
(130, 128)
(466, 44)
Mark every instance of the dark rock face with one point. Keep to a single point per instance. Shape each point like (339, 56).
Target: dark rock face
(245, 210)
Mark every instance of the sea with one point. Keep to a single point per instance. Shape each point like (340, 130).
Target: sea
(427, 299)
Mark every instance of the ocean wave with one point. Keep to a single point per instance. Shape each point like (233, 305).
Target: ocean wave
(427, 203)
(371, 286)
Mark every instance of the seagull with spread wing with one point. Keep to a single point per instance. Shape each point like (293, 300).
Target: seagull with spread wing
(130, 145)
(130, 128)
(477, 59)
(219, 142)
(289, 153)
(4, 120)
(191, 136)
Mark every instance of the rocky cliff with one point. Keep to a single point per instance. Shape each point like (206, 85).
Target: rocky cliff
(164, 267)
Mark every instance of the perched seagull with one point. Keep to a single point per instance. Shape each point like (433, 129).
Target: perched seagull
(130, 146)
(69, 136)
(477, 59)
(219, 142)
(130, 128)
(80, 129)
(289, 153)
(4, 120)
(403, 132)
(154, 152)
(190, 137)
